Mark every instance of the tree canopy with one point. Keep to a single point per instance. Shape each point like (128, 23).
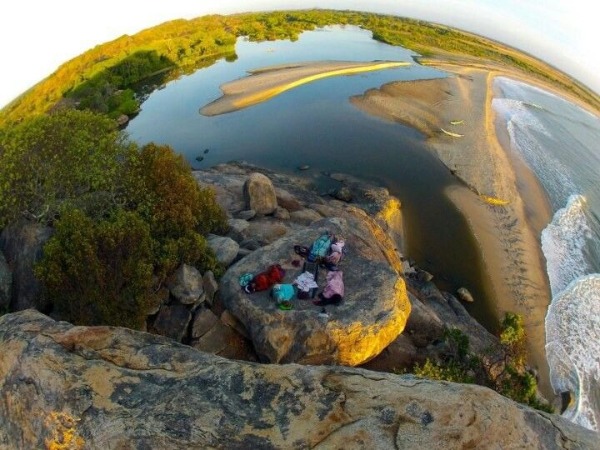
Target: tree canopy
(124, 217)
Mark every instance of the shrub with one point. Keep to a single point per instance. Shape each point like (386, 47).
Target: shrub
(99, 273)
(191, 249)
(506, 374)
(123, 216)
(448, 372)
(51, 160)
(163, 190)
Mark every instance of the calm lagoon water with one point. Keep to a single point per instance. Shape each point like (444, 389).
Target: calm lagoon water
(315, 124)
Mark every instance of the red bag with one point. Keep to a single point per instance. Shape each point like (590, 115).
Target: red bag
(261, 282)
(264, 280)
(275, 273)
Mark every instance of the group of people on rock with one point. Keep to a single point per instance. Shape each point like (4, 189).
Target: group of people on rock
(327, 252)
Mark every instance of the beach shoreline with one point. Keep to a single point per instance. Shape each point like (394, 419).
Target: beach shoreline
(503, 203)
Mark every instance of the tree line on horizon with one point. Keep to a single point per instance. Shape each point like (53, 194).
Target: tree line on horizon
(112, 77)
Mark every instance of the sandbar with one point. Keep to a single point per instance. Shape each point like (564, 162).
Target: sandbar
(265, 83)
(502, 201)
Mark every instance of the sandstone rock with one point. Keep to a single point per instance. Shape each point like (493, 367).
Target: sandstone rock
(424, 276)
(398, 355)
(105, 387)
(286, 200)
(464, 294)
(214, 341)
(186, 284)
(247, 214)
(343, 193)
(204, 320)
(250, 244)
(232, 322)
(237, 229)
(210, 286)
(122, 120)
(264, 231)
(260, 194)
(281, 213)
(242, 253)
(172, 321)
(22, 244)
(5, 284)
(305, 216)
(225, 248)
(373, 314)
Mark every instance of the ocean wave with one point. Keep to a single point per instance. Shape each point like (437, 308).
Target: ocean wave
(528, 140)
(573, 348)
(564, 243)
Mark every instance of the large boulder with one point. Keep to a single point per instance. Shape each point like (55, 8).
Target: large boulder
(225, 248)
(259, 194)
(22, 244)
(63, 386)
(374, 311)
(186, 284)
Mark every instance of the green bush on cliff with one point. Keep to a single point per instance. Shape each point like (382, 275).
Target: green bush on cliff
(45, 162)
(161, 188)
(125, 217)
(99, 273)
(507, 375)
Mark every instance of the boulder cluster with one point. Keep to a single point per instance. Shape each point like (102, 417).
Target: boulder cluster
(63, 386)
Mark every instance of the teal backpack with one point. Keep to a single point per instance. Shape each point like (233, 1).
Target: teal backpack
(283, 294)
(320, 248)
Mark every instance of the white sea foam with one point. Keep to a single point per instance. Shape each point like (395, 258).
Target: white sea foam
(526, 134)
(564, 243)
(573, 348)
(573, 318)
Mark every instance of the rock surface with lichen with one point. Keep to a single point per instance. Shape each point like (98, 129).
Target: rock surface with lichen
(106, 388)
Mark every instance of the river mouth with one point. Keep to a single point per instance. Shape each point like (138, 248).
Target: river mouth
(316, 125)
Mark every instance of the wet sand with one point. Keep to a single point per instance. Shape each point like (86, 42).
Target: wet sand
(502, 201)
(265, 83)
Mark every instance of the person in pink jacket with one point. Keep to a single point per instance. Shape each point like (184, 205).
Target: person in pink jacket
(334, 289)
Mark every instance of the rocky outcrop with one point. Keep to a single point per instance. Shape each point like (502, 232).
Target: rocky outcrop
(22, 244)
(225, 248)
(108, 388)
(260, 194)
(373, 313)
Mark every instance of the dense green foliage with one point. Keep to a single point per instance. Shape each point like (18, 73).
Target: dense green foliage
(504, 371)
(124, 217)
(68, 157)
(110, 91)
(105, 77)
(99, 273)
(161, 189)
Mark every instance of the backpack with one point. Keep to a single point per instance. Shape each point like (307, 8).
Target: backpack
(275, 273)
(283, 292)
(283, 295)
(320, 248)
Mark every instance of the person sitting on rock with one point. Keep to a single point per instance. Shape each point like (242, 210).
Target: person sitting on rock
(333, 293)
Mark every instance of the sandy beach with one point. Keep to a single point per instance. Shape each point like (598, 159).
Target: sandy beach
(267, 82)
(503, 203)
